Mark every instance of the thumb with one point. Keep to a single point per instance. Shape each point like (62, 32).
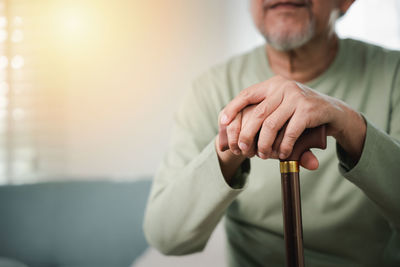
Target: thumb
(309, 161)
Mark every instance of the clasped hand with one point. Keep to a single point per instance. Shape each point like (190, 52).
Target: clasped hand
(267, 118)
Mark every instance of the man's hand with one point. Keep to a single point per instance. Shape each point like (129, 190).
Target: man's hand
(230, 146)
(278, 101)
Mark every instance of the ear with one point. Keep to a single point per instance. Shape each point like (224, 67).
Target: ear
(344, 5)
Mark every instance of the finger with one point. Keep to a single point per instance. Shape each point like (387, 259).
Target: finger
(251, 95)
(250, 150)
(233, 130)
(253, 151)
(278, 140)
(222, 138)
(271, 126)
(309, 161)
(261, 111)
(294, 129)
(275, 146)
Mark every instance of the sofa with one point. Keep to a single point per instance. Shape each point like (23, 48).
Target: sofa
(72, 223)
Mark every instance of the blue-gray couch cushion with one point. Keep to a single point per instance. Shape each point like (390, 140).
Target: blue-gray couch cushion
(10, 263)
(73, 223)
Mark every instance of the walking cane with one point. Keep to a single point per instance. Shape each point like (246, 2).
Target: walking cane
(293, 228)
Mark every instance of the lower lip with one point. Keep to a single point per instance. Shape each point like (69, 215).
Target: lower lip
(286, 7)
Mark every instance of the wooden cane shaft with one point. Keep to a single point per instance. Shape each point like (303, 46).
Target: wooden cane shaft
(293, 229)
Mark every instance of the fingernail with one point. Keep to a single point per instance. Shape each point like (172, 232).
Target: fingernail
(243, 146)
(224, 119)
(236, 152)
(282, 155)
(262, 155)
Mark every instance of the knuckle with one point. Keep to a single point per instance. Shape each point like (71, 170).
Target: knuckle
(271, 125)
(245, 94)
(286, 148)
(293, 86)
(295, 98)
(307, 106)
(233, 144)
(291, 137)
(310, 108)
(297, 93)
(245, 138)
(290, 86)
(261, 111)
(233, 130)
(278, 78)
(220, 115)
(263, 148)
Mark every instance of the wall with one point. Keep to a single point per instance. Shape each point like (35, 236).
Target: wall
(127, 63)
(123, 88)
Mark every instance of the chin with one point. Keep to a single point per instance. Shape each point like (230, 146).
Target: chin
(289, 38)
(288, 32)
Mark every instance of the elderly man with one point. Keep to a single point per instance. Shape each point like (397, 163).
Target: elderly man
(223, 151)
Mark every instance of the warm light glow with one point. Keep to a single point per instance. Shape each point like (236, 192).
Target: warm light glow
(17, 62)
(17, 36)
(3, 88)
(3, 36)
(3, 102)
(3, 62)
(3, 22)
(3, 113)
(18, 21)
(74, 26)
(18, 114)
(74, 23)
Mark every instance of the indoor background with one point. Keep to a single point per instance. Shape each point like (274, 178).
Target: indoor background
(88, 88)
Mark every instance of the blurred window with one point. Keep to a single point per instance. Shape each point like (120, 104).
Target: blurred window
(25, 106)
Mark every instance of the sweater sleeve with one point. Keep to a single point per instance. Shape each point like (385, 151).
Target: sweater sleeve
(189, 194)
(377, 172)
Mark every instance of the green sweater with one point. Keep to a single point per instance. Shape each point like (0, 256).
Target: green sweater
(351, 214)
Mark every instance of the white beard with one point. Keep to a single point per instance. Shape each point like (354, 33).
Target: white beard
(288, 41)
